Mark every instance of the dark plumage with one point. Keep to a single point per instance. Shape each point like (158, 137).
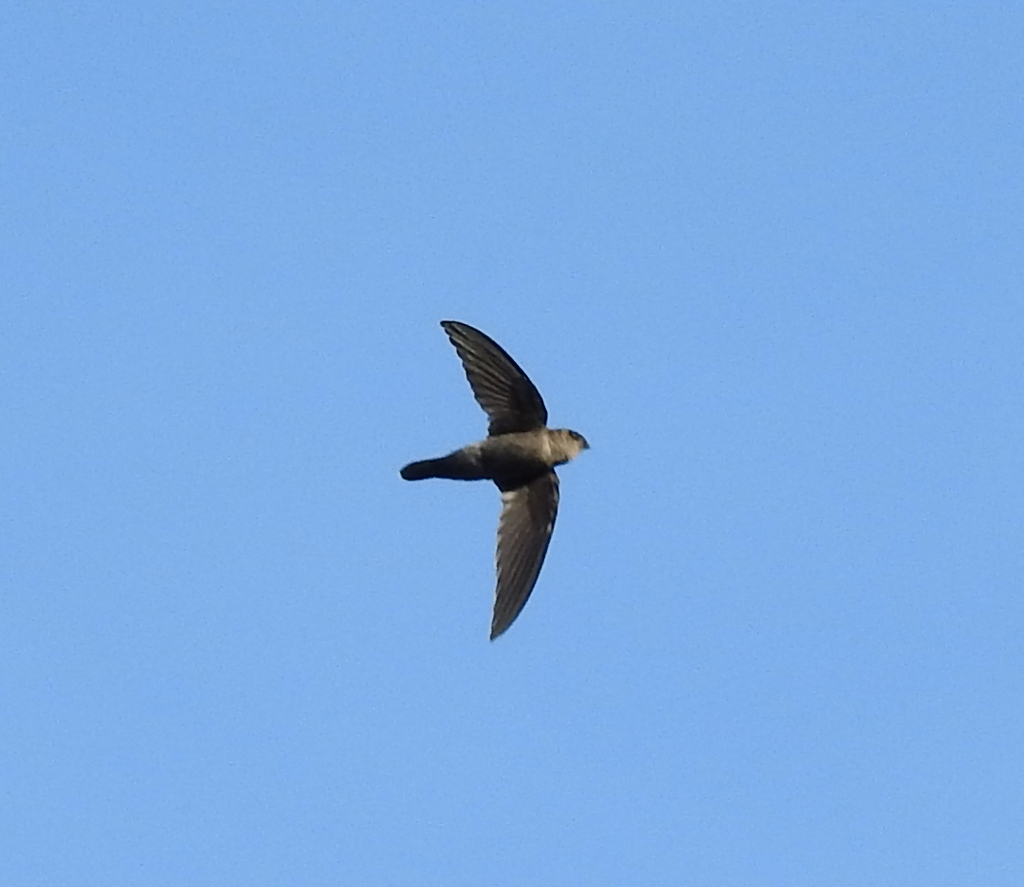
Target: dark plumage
(519, 455)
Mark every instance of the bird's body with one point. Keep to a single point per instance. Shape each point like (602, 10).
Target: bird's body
(510, 460)
(519, 455)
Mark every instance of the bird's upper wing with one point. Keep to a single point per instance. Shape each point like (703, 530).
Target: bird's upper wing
(524, 531)
(509, 398)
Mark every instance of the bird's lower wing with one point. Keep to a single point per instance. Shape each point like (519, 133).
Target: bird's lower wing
(524, 531)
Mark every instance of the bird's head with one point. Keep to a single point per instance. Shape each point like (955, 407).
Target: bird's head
(570, 444)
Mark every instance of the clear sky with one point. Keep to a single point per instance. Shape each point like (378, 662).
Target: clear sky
(768, 258)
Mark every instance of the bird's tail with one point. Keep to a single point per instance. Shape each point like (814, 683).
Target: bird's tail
(455, 466)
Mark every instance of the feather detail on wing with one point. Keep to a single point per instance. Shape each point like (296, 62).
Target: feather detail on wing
(524, 531)
(500, 386)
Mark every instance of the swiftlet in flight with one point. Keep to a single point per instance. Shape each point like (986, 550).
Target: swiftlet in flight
(519, 454)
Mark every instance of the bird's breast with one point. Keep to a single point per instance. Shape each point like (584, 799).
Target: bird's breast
(519, 454)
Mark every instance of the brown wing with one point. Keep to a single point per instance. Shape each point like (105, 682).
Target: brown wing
(500, 386)
(524, 531)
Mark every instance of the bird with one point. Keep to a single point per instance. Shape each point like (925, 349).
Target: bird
(519, 455)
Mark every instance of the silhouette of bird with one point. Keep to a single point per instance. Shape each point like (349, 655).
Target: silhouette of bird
(519, 454)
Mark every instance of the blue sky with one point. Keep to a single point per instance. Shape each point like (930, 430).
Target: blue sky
(766, 257)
